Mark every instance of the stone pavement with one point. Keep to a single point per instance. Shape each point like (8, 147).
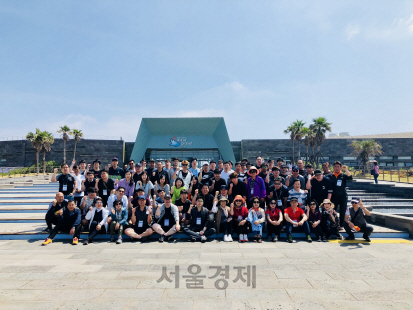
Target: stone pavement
(288, 276)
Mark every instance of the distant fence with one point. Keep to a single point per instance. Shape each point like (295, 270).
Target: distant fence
(400, 174)
(17, 138)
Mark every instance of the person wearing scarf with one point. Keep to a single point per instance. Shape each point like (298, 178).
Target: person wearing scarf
(256, 217)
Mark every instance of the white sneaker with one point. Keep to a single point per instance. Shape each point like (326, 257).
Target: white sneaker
(225, 238)
(245, 237)
(230, 238)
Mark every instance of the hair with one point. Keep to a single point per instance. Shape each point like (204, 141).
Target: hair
(233, 175)
(297, 180)
(147, 177)
(75, 167)
(70, 201)
(193, 159)
(159, 161)
(203, 184)
(279, 179)
(199, 197)
(275, 168)
(312, 200)
(309, 166)
(227, 162)
(92, 190)
(259, 157)
(89, 173)
(238, 163)
(167, 160)
(64, 165)
(104, 171)
(185, 162)
(212, 162)
(131, 161)
(163, 177)
(175, 158)
(254, 198)
(179, 179)
(338, 163)
(117, 201)
(220, 161)
(121, 187)
(131, 179)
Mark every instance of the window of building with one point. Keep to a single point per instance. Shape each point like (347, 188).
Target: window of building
(349, 158)
(389, 164)
(386, 157)
(409, 164)
(404, 157)
(400, 164)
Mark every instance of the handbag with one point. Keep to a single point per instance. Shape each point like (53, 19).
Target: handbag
(372, 171)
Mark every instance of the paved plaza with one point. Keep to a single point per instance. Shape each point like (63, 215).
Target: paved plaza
(329, 275)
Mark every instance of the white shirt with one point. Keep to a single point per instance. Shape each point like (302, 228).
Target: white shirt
(112, 199)
(225, 175)
(79, 179)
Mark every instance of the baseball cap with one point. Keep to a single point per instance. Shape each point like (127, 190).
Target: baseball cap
(355, 200)
(114, 159)
(142, 197)
(318, 171)
(224, 187)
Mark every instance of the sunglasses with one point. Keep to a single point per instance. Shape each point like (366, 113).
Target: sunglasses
(118, 204)
(184, 164)
(238, 200)
(353, 203)
(313, 204)
(98, 202)
(295, 170)
(273, 203)
(121, 191)
(253, 171)
(277, 183)
(256, 202)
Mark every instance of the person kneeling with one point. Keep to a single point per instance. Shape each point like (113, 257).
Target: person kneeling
(199, 224)
(224, 217)
(296, 218)
(330, 222)
(256, 217)
(141, 221)
(354, 219)
(98, 217)
(68, 221)
(168, 220)
(119, 216)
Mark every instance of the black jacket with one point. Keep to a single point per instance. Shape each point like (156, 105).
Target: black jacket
(204, 217)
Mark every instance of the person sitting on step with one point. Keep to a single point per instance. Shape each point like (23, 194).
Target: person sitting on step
(119, 216)
(98, 217)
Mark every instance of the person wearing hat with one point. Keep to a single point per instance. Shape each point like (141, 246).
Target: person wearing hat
(320, 186)
(315, 221)
(141, 220)
(223, 218)
(115, 172)
(330, 223)
(137, 174)
(289, 182)
(224, 193)
(256, 218)
(206, 175)
(200, 227)
(68, 221)
(167, 217)
(239, 219)
(256, 187)
(296, 219)
(355, 219)
(339, 182)
(105, 185)
(217, 182)
(185, 174)
(96, 168)
(98, 217)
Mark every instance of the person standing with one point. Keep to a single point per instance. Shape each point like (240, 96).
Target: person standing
(115, 172)
(375, 171)
(67, 182)
(339, 181)
(194, 169)
(78, 195)
(301, 169)
(96, 168)
(289, 182)
(105, 185)
(185, 174)
(174, 170)
(226, 172)
(320, 186)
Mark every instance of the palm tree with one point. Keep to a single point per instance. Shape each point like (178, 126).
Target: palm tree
(77, 135)
(365, 149)
(65, 131)
(305, 131)
(36, 140)
(321, 126)
(47, 141)
(292, 131)
(312, 142)
(299, 125)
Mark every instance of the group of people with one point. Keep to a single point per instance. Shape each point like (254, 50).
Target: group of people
(167, 197)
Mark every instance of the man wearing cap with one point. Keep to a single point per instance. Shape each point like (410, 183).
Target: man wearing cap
(137, 174)
(105, 185)
(68, 221)
(96, 168)
(236, 187)
(174, 170)
(67, 181)
(256, 188)
(141, 220)
(167, 217)
(217, 182)
(185, 174)
(206, 176)
(320, 186)
(194, 167)
(52, 213)
(226, 172)
(339, 182)
(296, 219)
(289, 182)
(355, 220)
(115, 172)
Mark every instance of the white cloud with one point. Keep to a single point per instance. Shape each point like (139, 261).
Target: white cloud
(399, 29)
(351, 31)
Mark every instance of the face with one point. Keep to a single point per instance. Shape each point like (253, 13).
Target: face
(205, 168)
(313, 205)
(223, 203)
(65, 169)
(259, 161)
(276, 173)
(118, 206)
(234, 180)
(142, 202)
(162, 180)
(71, 206)
(178, 183)
(337, 168)
(294, 203)
(237, 168)
(284, 170)
(151, 164)
(199, 202)
(138, 169)
(167, 202)
(226, 167)
(221, 165)
(161, 194)
(277, 185)
(92, 195)
(213, 166)
(159, 166)
(176, 163)
(297, 185)
(184, 167)
(128, 175)
(295, 173)
(194, 163)
(82, 166)
(264, 169)
(76, 170)
(224, 192)
(104, 175)
(96, 166)
(325, 167)
(217, 176)
(184, 197)
(256, 203)
(143, 164)
(132, 165)
(144, 177)
(121, 192)
(205, 190)
(273, 204)
(114, 163)
(99, 204)
(253, 173)
(327, 206)
(300, 164)
(279, 163)
(319, 177)
(167, 165)
(90, 177)
(59, 197)
(309, 170)
(238, 202)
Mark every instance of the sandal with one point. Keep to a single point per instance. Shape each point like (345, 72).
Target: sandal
(259, 240)
(256, 238)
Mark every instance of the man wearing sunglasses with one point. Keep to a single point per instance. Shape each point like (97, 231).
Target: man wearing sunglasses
(185, 174)
(289, 182)
(284, 171)
(355, 219)
(131, 166)
(256, 188)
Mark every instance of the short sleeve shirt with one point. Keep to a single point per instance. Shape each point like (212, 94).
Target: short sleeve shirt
(294, 216)
(66, 181)
(274, 214)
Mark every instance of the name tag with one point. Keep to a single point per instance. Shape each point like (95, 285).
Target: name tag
(64, 188)
(279, 202)
(198, 221)
(105, 192)
(252, 191)
(239, 218)
(140, 224)
(339, 182)
(147, 212)
(166, 222)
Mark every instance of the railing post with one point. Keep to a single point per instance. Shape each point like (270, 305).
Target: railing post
(399, 173)
(391, 177)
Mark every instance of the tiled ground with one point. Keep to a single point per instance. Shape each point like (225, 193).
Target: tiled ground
(288, 276)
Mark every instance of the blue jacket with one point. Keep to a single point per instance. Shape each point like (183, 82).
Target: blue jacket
(123, 215)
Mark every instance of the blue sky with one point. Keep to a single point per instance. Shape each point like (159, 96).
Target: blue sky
(101, 66)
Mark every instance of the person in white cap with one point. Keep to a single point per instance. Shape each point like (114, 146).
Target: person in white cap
(355, 219)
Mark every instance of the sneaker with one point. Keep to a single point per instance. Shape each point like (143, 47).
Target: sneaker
(86, 242)
(245, 237)
(112, 238)
(290, 239)
(75, 240)
(161, 238)
(119, 241)
(230, 238)
(275, 239)
(144, 239)
(367, 238)
(168, 238)
(340, 237)
(325, 239)
(203, 239)
(47, 241)
(225, 238)
(349, 238)
(319, 239)
(309, 240)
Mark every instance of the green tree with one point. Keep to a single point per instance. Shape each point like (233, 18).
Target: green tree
(365, 149)
(299, 134)
(77, 135)
(36, 139)
(47, 141)
(321, 126)
(65, 131)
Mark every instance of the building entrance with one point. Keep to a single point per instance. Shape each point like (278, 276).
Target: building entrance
(188, 154)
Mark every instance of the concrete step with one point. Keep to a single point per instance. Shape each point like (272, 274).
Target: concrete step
(7, 186)
(22, 216)
(22, 183)
(23, 201)
(21, 207)
(29, 195)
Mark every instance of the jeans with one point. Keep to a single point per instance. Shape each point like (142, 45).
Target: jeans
(340, 204)
(93, 232)
(193, 232)
(317, 231)
(290, 227)
(366, 230)
(274, 229)
(65, 226)
(113, 230)
(69, 197)
(375, 178)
